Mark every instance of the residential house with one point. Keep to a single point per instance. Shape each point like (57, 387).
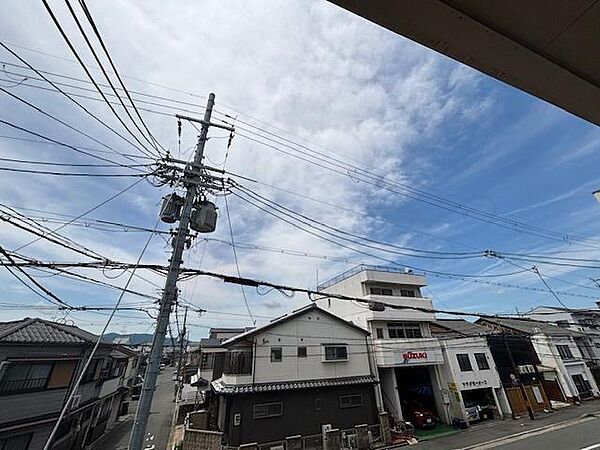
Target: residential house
(585, 320)
(39, 363)
(407, 357)
(290, 377)
(211, 356)
(473, 382)
(562, 368)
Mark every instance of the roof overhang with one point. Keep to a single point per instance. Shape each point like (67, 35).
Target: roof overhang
(543, 48)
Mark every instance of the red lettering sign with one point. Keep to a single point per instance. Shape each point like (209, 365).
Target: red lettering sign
(414, 355)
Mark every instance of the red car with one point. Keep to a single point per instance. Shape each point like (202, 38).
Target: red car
(422, 417)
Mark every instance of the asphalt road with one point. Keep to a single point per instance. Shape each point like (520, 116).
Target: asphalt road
(159, 422)
(584, 435)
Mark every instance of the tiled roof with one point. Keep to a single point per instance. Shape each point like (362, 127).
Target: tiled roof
(40, 331)
(530, 326)
(457, 327)
(222, 388)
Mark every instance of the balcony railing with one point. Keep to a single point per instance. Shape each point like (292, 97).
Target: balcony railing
(360, 268)
(23, 385)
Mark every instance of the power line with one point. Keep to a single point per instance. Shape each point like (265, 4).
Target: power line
(99, 205)
(235, 258)
(73, 391)
(58, 89)
(89, 75)
(101, 67)
(73, 174)
(62, 144)
(94, 27)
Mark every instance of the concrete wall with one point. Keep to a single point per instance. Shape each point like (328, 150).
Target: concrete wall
(201, 439)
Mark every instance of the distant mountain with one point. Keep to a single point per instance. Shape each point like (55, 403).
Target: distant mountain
(137, 339)
(128, 339)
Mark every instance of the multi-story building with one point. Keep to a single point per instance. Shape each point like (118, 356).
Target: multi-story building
(585, 320)
(562, 369)
(474, 387)
(39, 363)
(290, 377)
(406, 356)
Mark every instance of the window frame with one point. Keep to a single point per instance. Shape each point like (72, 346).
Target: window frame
(564, 351)
(350, 404)
(410, 293)
(482, 358)
(39, 388)
(376, 290)
(379, 333)
(467, 359)
(267, 414)
(336, 358)
(274, 350)
(301, 351)
(401, 330)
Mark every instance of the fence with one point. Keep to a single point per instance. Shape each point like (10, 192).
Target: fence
(536, 397)
(349, 441)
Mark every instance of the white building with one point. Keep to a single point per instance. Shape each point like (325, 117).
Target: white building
(586, 321)
(566, 376)
(469, 372)
(294, 375)
(407, 357)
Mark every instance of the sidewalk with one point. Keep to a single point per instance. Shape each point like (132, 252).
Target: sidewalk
(483, 433)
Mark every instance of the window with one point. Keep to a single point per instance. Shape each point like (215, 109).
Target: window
(482, 362)
(318, 404)
(380, 291)
(301, 352)
(93, 371)
(401, 330)
(351, 401)
(265, 410)
(464, 362)
(276, 354)
(379, 332)
(22, 377)
(562, 323)
(20, 442)
(61, 374)
(407, 293)
(336, 352)
(564, 351)
(238, 363)
(207, 361)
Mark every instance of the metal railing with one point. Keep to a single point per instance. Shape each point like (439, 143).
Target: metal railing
(362, 267)
(23, 385)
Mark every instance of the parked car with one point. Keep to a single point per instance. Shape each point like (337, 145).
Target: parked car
(422, 417)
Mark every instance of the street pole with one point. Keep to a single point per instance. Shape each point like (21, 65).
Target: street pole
(169, 295)
(515, 371)
(180, 363)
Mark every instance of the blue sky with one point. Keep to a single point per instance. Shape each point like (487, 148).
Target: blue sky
(337, 84)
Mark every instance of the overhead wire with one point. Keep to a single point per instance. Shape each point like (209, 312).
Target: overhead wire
(73, 391)
(70, 97)
(235, 258)
(150, 140)
(144, 149)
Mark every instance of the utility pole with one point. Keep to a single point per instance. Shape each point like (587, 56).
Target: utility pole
(180, 363)
(193, 180)
(515, 371)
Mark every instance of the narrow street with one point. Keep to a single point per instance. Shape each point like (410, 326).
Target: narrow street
(159, 423)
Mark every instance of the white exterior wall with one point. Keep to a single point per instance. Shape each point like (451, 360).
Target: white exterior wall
(311, 329)
(456, 381)
(545, 346)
